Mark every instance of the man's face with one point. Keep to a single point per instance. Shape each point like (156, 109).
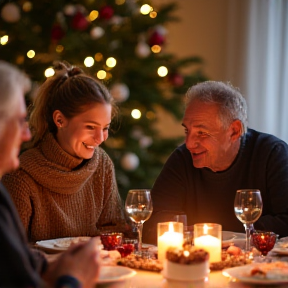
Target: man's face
(209, 143)
(14, 132)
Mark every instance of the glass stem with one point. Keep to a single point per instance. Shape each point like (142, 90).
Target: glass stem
(139, 228)
(248, 228)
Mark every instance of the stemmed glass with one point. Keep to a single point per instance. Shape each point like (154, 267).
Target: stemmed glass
(248, 208)
(138, 206)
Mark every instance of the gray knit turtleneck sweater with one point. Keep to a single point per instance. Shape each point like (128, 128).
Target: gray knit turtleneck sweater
(58, 195)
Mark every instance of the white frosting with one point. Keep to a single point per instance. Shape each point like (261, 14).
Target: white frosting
(184, 272)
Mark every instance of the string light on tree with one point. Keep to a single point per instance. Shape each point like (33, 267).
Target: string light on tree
(4, 40)
(27, 6)
(49, 72)
(145, 9)
(89, 61)
(156, 49)
(162, 71)
(31, 54)
(98, 57)
(153, 14)
(136, 114)
(101, 74)
(111, 62)
(93, 15)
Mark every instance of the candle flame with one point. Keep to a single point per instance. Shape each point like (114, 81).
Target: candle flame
(205, 229)
(171, 227)
(186, 253)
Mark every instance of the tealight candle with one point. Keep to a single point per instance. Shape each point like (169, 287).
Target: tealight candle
(170, 234)
(208, 237)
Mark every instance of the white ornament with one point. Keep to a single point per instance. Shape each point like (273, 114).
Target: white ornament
(130, 161)
(161, 30)
(116, 20)
(142, 50)
(136, 133)
(145, 141)
(120, 92)
(10, 13)
(69, 10)
(97, 32)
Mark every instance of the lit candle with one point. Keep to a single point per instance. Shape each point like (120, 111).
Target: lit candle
(208, 242)
(168, 239)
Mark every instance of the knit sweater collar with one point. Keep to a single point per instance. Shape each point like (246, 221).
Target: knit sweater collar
(53, 168)
(53, 152)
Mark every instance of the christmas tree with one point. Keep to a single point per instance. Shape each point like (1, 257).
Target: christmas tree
(122, 43)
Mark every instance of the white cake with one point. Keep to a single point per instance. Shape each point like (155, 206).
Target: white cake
(186, 265)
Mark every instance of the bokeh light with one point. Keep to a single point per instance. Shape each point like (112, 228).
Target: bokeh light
(49, 72)
(93, 15)
(162, 71)
(4, 40)
(101, 74)
(31, 54)
(111, 62)
(145, 9)
(89, 61)
(98, 57)
(136, 113)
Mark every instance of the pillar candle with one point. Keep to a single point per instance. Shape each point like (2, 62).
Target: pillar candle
(168, 239)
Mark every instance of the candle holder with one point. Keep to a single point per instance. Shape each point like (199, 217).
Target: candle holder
(170, 234)
(111, 240)
(208, 237)
(264, 241)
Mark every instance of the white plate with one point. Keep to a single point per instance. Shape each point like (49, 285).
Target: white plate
(110, 274)
(242, 274)
(280, 251)
(236, 238)
(281, 247)
(59, 244)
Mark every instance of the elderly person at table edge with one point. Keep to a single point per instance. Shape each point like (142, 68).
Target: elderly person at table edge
(65, 185)
(21, 266)
(220, 156)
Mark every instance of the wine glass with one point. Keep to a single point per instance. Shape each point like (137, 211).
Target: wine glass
(138, 206)
(248, 208)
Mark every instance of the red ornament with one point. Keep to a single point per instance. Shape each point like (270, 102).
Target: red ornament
(106, 12)
(57, 33)
(79, 22)
(176, 79)
(156, 39)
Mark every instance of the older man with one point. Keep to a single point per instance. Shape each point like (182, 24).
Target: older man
(220, 156)
(20, 266)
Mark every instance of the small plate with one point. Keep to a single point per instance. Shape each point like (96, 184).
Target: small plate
(280, 251)
(110, 274)
(59, 244)
(235, 238)
(242, 274)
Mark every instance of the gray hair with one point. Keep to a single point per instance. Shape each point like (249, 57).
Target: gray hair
(232, 105)
(11, 79)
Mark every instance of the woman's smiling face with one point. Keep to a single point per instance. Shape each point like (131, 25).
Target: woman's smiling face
(80, 135)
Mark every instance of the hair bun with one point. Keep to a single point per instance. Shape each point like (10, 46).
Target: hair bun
(74, 71)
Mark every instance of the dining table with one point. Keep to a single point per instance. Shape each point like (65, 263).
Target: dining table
(218, 278)
(146, 279)
(150, 279)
